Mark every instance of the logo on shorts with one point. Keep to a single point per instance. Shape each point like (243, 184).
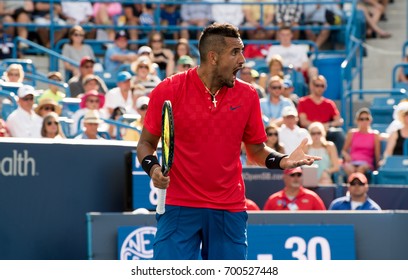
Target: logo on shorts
(138, 245)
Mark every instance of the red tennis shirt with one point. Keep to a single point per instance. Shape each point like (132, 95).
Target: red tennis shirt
(207, 170)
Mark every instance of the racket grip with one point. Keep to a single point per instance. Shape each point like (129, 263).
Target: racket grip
(161, 201)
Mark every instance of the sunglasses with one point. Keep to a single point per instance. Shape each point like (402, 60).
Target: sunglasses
(319, 85)
(48, 108)
(186, 65)
(157, 41)
(78, 35)
(88, 66)
(356, 184)
(144, 107)
(275, 87)
(50, 123)
(13, 74)
(28, 98)
(92, 100)
(316, 133)
(363, 119)
(143, 66)
(272, 134)
(296, 175)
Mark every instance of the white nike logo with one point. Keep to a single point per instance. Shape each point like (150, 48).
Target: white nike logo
(272, 159)
(148, 161)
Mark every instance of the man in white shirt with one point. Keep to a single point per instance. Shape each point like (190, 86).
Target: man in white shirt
(291, 54)
(24, 122)
(290, 133)
(120, 96)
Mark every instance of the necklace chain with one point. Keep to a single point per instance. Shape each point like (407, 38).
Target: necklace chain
(213, 95)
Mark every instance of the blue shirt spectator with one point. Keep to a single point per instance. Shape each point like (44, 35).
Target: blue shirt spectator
(357, 198)
(118, 54)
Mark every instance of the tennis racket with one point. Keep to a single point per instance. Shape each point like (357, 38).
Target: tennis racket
(167, 141)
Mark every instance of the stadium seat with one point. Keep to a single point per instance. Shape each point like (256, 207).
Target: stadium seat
(383, 107)
(69, 106)
(394, 171)
(9, 103)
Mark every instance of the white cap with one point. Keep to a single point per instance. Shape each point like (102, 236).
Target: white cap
(25, 90)
(144, 49)
(289, 111)
(142, 100)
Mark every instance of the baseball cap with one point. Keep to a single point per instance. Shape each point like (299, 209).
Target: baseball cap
(287, 83)
(25, 90)
(88, 78)
(289, 111)
(123, 76)
(293, 170)
(142, 100)
(121, 33)
(144, 49)
(185, 59)
(86, 59)
(54, 74)
(359, 176)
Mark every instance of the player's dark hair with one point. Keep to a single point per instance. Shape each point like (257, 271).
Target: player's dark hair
(213, 38)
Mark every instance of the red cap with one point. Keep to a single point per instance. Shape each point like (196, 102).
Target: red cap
(86, 59)
(357, 175)
(293, 170)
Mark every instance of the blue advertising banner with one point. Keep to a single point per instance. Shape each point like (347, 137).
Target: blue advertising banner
(279, 242)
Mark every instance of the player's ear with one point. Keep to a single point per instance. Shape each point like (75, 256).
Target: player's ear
(213, 57)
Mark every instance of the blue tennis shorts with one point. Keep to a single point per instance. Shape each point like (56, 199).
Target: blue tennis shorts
(181, 230)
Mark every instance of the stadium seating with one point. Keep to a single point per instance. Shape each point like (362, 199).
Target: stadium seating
(383, 107)
(9, 103)
(393, 172)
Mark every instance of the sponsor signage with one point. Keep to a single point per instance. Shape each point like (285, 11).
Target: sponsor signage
(279, 242)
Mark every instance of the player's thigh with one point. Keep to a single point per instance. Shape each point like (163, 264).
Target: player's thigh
(178, 234)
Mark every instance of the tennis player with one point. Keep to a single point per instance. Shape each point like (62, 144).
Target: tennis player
(213, 113)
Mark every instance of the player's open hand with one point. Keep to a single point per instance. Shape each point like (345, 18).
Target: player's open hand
(298, 157)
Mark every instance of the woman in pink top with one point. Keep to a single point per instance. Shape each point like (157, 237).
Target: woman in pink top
(361, 150)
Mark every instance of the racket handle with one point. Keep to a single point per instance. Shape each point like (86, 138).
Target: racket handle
(161, 201)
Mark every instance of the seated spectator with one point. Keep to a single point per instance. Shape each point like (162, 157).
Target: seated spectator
(249, 75)
(162, 56)
(257, 50)
(142, 104)
(184, 63)
(91, 100)
(107, 14)
(120, 96)
(14, 73)
(181, 48)
(17, 12)
(255, 17)
(275, 67)
(273, 104)
(24, 122)
(294, 196)
(291, 54)
(78, 12)
(144, 74)
(251, 205)
(132, 12)
(395, 142)
(170, 16)
(53, 91)
(46, 106)
(272, 141)
(117, 113)
(290, 133)
(91, 125)
(198, 15)
(76, 49)
(317, 108)
(6, 43)
(288, 89)
(118, 54)
(315, 15)
(357, 199)
(51, 128)
(289, 13)
(329, 164)
(222, 13)
(396, 123)
(76, 86)
(4, 132)
(372, 17)
(362, 147)
(41, 15)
